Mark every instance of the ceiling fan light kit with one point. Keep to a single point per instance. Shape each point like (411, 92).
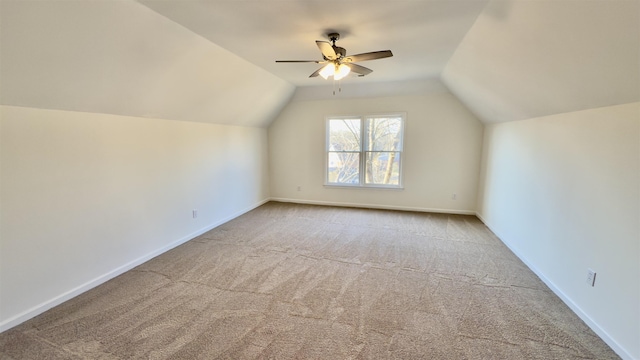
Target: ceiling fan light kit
(337, 71)
(327, 71)
(338, 64)
(341, 71)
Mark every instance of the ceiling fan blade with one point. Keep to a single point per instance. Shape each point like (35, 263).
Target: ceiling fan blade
(327, 50)
(360, 70)
(316, 73)
(369, 56)
(299, 61)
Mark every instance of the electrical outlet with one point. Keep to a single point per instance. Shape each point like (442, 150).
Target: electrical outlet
(454, 196)
(591, 277)
(194, 213)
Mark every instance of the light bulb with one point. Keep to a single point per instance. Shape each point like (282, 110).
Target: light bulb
(342, 71)
(328, 70)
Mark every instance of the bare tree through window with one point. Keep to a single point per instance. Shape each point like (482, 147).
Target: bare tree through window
(364, 150)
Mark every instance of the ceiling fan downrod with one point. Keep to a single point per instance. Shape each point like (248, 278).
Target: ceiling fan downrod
(333, 37)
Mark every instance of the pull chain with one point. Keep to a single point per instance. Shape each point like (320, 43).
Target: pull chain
(339, 86)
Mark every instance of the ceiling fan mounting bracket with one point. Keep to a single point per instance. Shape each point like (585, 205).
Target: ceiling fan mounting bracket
(333, 37)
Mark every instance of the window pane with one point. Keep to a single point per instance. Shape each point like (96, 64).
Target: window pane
(344, 135)
(343, 168)
(382, 168)
(383, 134)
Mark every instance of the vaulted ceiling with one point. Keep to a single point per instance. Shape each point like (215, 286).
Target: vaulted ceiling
(422, 34)
(526, 59)
(214, 60)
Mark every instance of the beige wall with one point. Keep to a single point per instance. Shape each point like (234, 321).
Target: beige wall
(563, 192)
(87, 196)
(441, 153)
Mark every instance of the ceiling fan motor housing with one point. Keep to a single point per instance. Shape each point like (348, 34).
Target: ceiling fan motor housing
(340, 51)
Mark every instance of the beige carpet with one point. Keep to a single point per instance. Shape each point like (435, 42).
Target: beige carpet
(289, 281)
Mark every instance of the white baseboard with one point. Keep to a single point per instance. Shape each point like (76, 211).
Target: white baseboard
(374, 206)
(621, 351)
(39, 309)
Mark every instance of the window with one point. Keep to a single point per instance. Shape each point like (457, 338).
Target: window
(364, 151)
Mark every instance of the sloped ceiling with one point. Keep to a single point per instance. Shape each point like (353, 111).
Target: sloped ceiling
(526, 59)
(214, 60)
(422, 34)
(119, 57)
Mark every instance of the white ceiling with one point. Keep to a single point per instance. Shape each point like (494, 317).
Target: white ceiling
(214, 60)
(422, 34)
(120, 57)
(528, 59)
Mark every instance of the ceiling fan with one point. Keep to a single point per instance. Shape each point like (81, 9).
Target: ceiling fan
(339, 64)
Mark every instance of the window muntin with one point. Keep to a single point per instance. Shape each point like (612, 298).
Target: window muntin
(365, 151)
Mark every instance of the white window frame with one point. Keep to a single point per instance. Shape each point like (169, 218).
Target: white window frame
(362, 164)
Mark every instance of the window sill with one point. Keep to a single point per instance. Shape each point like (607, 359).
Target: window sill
(363, 187)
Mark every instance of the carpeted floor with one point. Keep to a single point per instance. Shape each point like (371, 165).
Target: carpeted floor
(288, 281)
